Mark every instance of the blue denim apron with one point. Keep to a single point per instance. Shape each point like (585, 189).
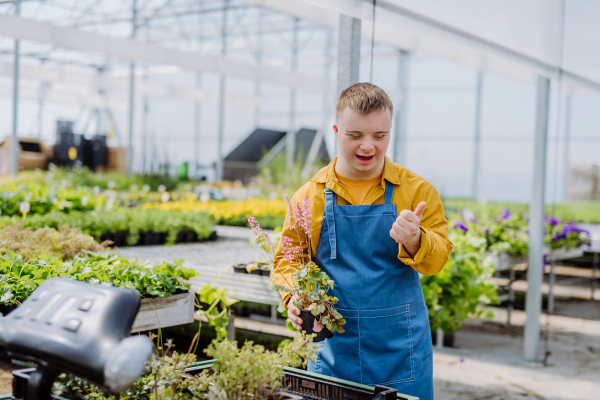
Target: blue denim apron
(387, 339)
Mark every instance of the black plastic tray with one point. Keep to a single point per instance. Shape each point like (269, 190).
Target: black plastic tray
(309, 385)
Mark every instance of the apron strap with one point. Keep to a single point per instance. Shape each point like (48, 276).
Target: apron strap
(330, 201)
(389, 192)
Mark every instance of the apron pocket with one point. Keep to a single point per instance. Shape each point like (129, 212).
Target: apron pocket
(386, 346)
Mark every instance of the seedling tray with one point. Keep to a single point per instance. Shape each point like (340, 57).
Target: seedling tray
(309, 385)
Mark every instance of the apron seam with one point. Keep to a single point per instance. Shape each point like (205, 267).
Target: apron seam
(383, 316)
(377, 309)
(412, 359)
(359, 355)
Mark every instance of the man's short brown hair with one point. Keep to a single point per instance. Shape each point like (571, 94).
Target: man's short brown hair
(363, 98)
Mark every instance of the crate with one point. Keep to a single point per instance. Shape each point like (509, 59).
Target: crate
(309, 385)
(312, 386)
(164, 311)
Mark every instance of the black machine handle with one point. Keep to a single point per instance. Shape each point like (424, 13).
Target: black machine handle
(76, 328)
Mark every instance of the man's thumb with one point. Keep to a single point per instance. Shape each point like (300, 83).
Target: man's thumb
(419, 209)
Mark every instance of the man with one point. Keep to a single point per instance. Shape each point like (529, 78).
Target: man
(375, 226)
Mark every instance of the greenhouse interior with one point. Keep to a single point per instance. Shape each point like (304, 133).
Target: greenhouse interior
(172, 174)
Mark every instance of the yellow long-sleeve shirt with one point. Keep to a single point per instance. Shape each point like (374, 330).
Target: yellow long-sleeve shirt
(409, 190)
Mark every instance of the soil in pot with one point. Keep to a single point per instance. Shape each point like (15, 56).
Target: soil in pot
(308, 321)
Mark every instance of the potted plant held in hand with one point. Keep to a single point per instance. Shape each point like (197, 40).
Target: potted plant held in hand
(309, 291)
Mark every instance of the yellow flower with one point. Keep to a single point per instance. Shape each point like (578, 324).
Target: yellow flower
(226, 209)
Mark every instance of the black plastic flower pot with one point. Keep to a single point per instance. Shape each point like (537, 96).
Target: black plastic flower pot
(240, 269)
(308, 321)
(191, 237)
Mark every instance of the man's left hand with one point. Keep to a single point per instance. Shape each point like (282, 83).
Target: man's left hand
(406, 229)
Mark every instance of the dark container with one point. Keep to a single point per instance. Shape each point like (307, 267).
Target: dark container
(240, 269)
(191, 237)
(6, 309)
(151, 238)
(120, 239)
(308, 321)
(448, 338)
(162, 237)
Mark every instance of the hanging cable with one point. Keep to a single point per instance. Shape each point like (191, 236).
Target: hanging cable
(547, 352)
(372, 41)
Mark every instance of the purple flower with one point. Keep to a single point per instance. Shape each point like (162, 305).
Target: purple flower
(527, 231)
(487, 231)
(551, 220)
(459, 225)
(462, 359)
(506, 214)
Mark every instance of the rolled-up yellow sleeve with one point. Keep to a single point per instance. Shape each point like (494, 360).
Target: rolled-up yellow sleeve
(435, 246)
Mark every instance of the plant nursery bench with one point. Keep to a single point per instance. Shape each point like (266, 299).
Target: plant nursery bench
(162, 312)
(246, 287)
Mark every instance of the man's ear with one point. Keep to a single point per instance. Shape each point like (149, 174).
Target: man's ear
(335, 130)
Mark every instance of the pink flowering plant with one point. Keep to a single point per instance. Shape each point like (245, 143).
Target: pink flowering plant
(311, 284)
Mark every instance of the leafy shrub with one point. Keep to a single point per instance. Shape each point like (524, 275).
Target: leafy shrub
(456, 293)
(64, 243)
(18, 278)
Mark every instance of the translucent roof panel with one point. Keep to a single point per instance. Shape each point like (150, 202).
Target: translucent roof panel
(516, 39)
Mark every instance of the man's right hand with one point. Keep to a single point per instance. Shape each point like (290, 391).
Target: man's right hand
(294, 313)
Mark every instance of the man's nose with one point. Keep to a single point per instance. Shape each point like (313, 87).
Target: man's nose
(367, 145)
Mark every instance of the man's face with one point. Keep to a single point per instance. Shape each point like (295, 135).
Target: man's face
(362, 143)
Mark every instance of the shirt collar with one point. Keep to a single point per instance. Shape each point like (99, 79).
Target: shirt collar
(391, 173)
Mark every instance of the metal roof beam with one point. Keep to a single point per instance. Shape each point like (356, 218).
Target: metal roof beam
(103, 82)
(133, 50)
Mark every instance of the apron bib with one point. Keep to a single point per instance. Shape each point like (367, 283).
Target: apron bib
(387, 339)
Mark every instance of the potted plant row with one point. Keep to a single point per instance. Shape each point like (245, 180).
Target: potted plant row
(125, 226)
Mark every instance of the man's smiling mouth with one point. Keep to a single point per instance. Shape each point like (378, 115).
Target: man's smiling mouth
(365, 158)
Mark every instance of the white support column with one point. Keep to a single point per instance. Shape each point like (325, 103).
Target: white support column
(477, 141)
(257, 82)
(401, 109)
(291, 135)
(348, 52)
(14, 149)
(533, 304)
(219, 172)
(145, 134)
(41, 109)
(131, 96)
(197, 110)
(566, 159)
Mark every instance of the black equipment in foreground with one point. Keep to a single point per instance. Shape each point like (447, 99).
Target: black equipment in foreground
(77, 328)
